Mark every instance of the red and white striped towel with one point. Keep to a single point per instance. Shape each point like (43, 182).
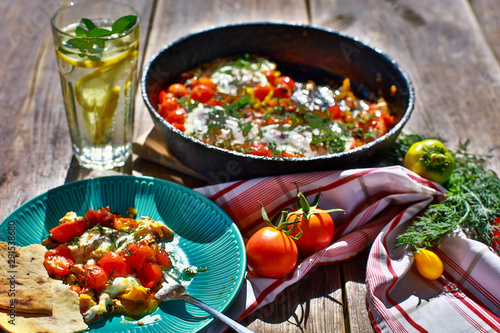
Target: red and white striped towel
(380, 203)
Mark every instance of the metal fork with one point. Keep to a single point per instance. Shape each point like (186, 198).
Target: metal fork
(171, 289)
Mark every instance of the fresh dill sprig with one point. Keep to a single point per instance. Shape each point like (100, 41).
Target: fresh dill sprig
(472, 202)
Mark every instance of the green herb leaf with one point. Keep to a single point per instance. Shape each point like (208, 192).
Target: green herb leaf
(472, 203)
(88, 24)
(99, 32)
(96, 46)
(123, 24)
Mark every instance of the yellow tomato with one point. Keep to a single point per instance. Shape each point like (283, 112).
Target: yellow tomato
(428, 264)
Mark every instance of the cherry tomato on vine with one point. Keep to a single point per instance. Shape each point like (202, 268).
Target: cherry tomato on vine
(317, 232)
(314, 227)
(271, 253)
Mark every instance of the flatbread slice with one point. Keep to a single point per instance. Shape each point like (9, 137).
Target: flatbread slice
(65, 316)
(24, 279)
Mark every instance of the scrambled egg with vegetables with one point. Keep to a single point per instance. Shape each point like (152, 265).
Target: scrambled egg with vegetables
(114, 263)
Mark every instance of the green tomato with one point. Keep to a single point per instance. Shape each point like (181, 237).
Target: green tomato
(431, 160)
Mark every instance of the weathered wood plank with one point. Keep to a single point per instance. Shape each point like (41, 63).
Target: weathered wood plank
(354, 274)
(488, 16)
(27, 128)
(442, 47)
(34, 132)
(317, 307)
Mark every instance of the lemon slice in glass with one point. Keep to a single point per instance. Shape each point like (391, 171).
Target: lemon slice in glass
(98, 95)
(109, 58)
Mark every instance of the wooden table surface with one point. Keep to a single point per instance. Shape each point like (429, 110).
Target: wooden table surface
(450, 49)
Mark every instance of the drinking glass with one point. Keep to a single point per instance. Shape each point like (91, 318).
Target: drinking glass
(98, 70)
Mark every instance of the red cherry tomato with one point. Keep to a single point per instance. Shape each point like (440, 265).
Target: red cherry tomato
(282, 91)
(202, 93)
(177, 89)
(317, 233)
(207, 82)
(95, 277)
(124, 223)
(163, 258)
(57, 261)
(271, 77)
(57, 264)
(68, 230)
(271, 253)
(76, 289)
(163, 95)
(288, 81)
(139, 254)
(176, 116)
(168, 105)
(149, 274)
(60, 250)
(260, 150)
(115, 265)
(102, 216)
(261, 90)
(334, 111)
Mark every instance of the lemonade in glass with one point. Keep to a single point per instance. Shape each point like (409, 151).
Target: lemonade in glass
(97, 46)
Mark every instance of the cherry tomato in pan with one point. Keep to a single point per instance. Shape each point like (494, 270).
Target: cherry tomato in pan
(202, 93)
(260, 150)
(177, 89)
(262, 90)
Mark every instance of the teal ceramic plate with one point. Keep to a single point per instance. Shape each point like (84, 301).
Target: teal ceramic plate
(205, 237)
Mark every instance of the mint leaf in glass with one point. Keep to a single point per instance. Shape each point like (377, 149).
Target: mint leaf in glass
(96, 46)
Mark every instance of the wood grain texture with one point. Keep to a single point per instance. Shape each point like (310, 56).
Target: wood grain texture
(443, 48)
(34, 132)
(449, 48)
(353, 278)
(314, 304)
